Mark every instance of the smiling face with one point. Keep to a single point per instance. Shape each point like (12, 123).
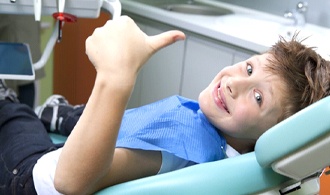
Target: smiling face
(243, 100)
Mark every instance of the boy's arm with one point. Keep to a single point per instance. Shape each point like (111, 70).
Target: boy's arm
(117, 50)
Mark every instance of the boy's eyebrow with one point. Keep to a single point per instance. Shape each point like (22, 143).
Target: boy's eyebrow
(271, 90)
(258, 60)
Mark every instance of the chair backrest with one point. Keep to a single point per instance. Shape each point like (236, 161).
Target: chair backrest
(298, 146)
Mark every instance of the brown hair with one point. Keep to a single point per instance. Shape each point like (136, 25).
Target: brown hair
(305, 73)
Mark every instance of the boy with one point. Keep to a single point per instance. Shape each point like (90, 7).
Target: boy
(241, 103)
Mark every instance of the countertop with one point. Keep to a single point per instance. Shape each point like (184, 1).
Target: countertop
(246, 28)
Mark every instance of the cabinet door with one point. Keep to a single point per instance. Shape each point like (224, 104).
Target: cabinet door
(241, 56)
(203, 60)
(161, 75)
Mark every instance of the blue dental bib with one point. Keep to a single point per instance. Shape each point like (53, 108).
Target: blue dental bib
(175, 125)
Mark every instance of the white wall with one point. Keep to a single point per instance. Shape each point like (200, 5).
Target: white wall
(318, 10)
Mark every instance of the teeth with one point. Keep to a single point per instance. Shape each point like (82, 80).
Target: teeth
(222, 101)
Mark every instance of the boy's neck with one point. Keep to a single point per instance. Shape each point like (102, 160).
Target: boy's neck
(240, 145)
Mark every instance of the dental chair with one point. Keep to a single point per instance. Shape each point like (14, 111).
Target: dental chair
(288, 159)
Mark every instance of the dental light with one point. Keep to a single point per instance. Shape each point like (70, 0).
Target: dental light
(62, 11)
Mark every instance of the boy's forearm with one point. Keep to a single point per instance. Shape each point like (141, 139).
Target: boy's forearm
(117, 50)
(89, 150)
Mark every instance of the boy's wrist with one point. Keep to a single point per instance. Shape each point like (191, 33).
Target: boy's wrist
(117, 82)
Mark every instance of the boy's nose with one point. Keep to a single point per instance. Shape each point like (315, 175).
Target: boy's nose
(236, 86)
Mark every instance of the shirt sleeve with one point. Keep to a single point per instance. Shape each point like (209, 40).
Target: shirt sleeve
(170, 162)
(44, 172)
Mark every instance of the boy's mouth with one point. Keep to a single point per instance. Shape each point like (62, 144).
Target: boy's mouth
(222, 99)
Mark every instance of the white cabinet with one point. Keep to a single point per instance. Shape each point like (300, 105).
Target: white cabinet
(184, 68)
(241, 56)
(161, 75)
(203, 60)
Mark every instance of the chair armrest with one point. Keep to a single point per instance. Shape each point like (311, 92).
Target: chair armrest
(237, 175)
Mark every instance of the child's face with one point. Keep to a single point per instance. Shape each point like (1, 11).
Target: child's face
(243, 100)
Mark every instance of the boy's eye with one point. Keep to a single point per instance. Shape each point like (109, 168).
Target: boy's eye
(258, 97)
(249, 69)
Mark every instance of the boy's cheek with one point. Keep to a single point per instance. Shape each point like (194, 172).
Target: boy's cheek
(244, 117)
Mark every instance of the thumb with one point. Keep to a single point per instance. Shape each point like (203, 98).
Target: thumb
(164, 39)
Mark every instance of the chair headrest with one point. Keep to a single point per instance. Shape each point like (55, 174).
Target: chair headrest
(296, 133)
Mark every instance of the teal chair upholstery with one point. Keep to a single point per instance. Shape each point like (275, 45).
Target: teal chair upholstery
(56, 138)
(288, 158)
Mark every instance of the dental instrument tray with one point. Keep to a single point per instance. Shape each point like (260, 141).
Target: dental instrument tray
(16, 62)
(62, 10)
(79, 8)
